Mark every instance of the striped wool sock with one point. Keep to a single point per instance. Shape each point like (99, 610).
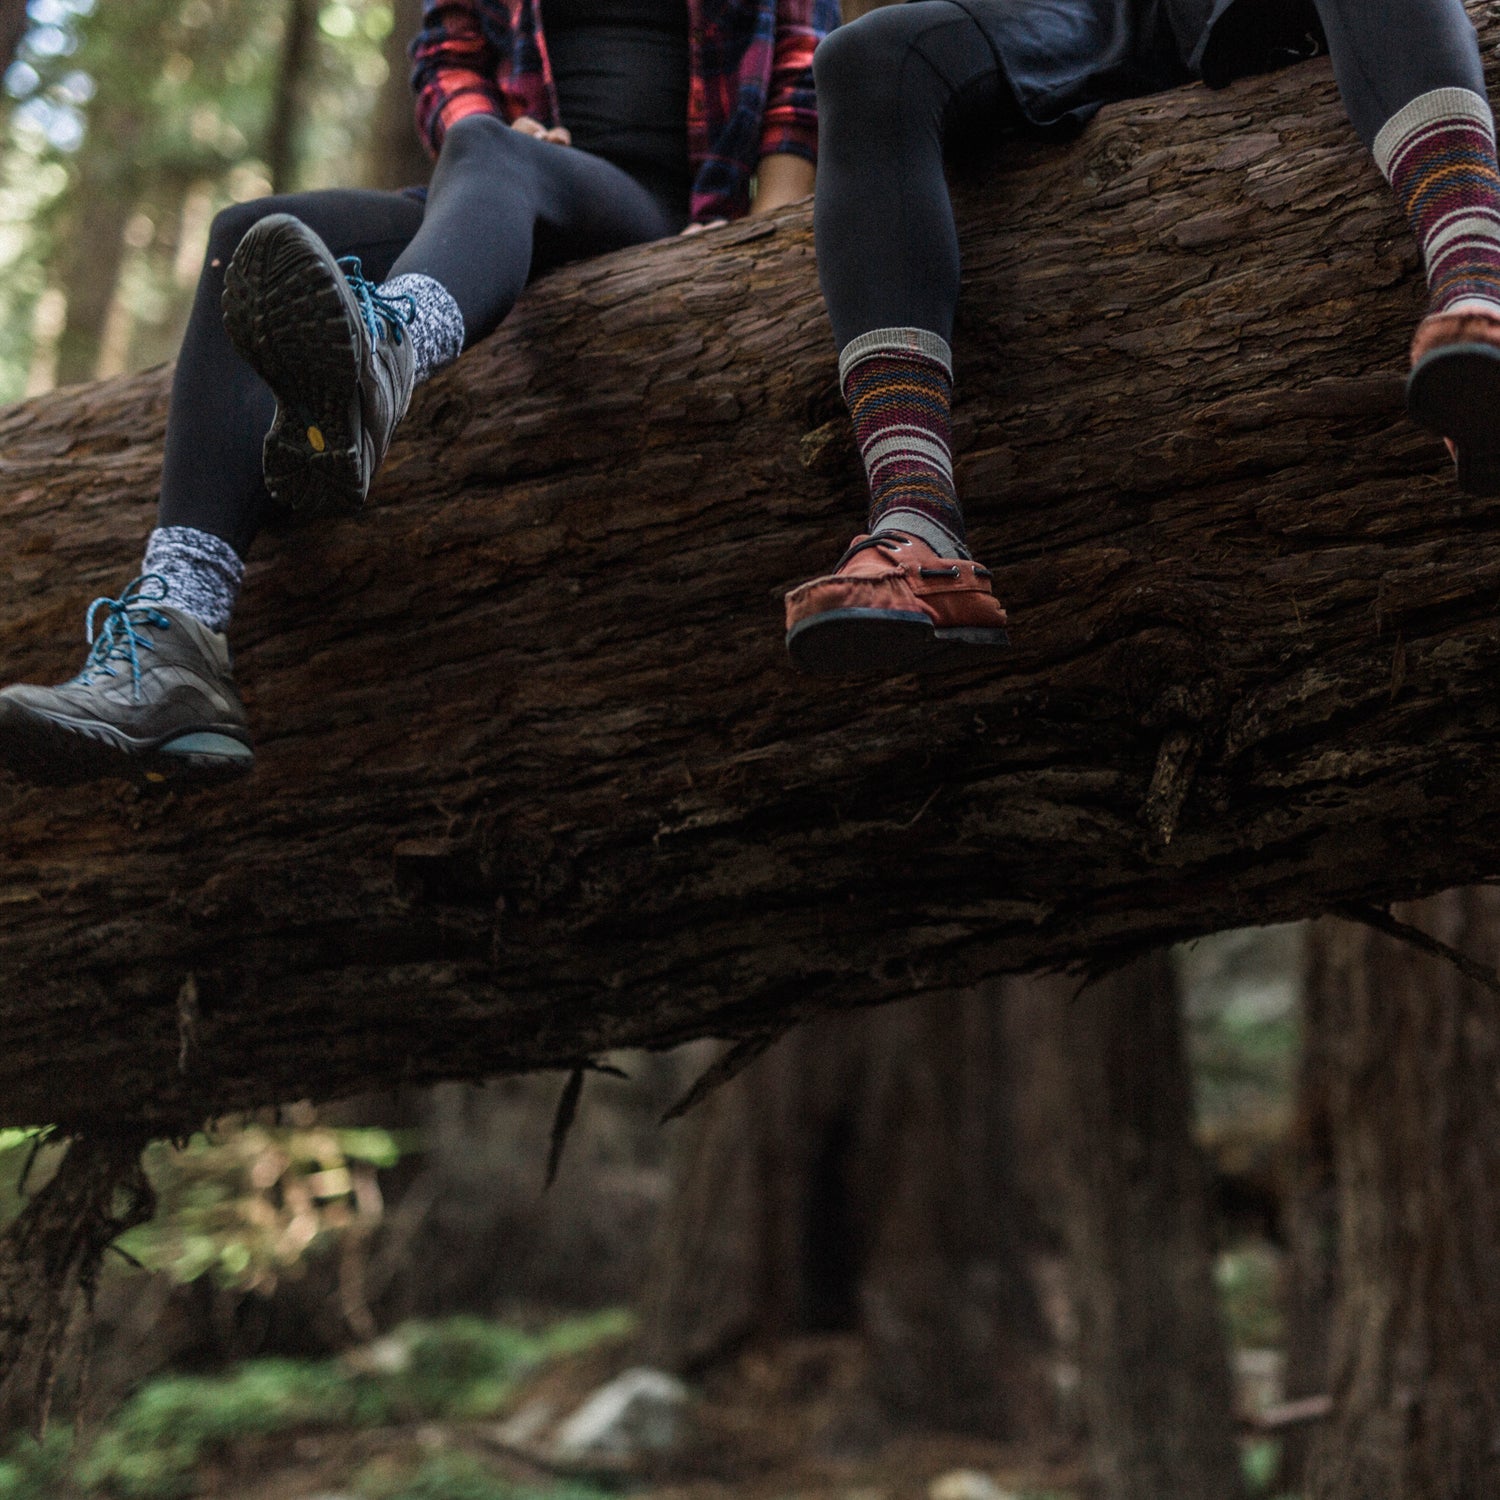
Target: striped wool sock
(1438, 154)
(898, 383)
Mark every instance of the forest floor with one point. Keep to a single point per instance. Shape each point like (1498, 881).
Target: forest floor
(468, 1409)
(793, 1423)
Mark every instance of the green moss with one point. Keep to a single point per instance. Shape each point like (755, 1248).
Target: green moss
(36, 1471)
(1260, 1460)
(156, 1440)
(463, 1368)
(1249, 1281)
(458, 1476)
(458, 1369)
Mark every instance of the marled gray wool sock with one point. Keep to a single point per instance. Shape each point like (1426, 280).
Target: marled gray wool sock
(437, 331)
(202, 572)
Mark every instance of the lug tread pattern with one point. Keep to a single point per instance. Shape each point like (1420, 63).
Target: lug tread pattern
(289, 313)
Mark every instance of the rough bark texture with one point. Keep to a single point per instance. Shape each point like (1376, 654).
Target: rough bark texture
(49, 1262)
(860, 1178)
(1131, 1190)
(1412, 1070)
(1310, 1216)
(534, 779)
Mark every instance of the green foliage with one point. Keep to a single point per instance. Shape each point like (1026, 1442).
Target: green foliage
(36, 1471)
(458, 1476)
(248, 1203)
(455, 1370)
(159, 1436)
(1259, 1460)
(467, 1368)
(1249, 1280)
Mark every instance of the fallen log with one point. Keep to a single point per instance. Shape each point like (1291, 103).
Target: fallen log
(534, 778)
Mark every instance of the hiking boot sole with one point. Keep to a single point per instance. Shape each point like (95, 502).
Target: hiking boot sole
(286, 312)
(1454, 391)
(48, 751)
(885, 643)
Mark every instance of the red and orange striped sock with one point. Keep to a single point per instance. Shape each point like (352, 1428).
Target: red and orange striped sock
(898, 383)
(1438, 154)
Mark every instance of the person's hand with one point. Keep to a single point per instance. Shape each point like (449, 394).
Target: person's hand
(699, 228)
(559, 135)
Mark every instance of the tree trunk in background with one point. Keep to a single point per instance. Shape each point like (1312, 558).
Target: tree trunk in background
(1310, 1219)
(1132, 1194)
(95, 244)
(108, 188)
(1414, 1091)
(397, 158)
(860, 1177)
(12, 29)
(298, 47)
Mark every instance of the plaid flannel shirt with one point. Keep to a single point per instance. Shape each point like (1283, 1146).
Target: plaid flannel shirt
(750, 88)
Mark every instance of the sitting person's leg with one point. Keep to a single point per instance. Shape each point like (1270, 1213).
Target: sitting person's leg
(888, 87)
(156, 696)
(1410, 74)
(343, 353)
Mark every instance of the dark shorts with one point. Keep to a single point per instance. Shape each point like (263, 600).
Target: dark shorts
(1065, 58)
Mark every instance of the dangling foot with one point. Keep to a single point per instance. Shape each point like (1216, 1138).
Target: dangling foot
(893, 605)
(156, 701)
(1454, 389)
(334, 352)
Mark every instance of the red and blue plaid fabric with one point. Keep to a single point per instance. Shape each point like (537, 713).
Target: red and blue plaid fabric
(750, 91)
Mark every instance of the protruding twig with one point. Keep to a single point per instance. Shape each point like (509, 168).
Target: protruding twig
(1296, 1413)
(1382, 921)
(567, 1112)
(716, 1075)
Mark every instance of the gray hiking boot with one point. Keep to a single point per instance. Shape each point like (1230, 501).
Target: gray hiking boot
(156, 701)
(333, 351)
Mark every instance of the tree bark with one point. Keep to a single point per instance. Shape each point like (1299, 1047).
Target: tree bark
(1310, 1220)
(108, 182)
(534, 779)
(861, 1179)
(12, 29)
(1415, 1119)
(1131, 1190)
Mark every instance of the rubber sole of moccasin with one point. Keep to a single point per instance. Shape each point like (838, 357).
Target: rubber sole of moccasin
(1455, 392)
(885, 643)
(286, 312)
(54, 752)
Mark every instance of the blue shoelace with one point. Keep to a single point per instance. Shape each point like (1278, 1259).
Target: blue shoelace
(120, 639)
(385, 317)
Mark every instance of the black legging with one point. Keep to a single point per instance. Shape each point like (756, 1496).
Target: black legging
(892, 86)
(502, 208)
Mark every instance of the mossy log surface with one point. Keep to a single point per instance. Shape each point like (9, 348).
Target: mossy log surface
(534, 779)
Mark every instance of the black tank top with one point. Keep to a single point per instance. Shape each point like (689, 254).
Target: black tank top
(621, 69)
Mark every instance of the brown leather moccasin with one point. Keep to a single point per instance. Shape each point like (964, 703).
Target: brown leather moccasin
(893, 605)
(1454, 390)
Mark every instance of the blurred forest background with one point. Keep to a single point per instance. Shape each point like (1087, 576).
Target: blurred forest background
(1221, 1224)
